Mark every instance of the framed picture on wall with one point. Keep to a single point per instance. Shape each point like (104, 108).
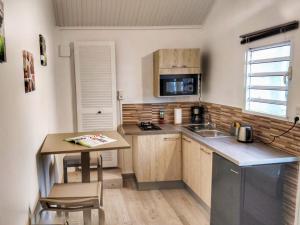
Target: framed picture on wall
(43, 50)
(29, 73)
(2, 36)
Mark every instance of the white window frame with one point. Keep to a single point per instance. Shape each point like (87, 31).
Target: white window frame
(286, 118)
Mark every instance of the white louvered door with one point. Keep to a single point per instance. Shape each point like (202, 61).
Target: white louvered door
(95, 71)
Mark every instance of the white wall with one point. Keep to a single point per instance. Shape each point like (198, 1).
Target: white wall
(25, 119)
(224, 57)
(134, 48)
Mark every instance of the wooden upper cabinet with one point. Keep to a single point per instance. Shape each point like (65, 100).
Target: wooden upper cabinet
(178, 58)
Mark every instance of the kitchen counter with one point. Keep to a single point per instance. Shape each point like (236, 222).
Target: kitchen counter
(228, 147)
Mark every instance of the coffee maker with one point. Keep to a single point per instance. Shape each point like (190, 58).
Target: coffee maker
(198, 114)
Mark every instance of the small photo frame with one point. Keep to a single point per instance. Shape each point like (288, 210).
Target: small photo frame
(2, 35)
(43, 50)
(29, 72)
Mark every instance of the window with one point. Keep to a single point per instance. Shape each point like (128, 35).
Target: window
(268, 72)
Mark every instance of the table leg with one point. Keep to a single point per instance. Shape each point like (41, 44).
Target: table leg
(85, 174)
(85, 167)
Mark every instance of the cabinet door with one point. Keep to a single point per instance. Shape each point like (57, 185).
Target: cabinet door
(186, 148)
(188, 58)
(205, 175)
(125, 157)
(144, 158)
(191, 163)
(195, 168)
(226, 192)
(168, 58)
(168, 157)
(179, 58)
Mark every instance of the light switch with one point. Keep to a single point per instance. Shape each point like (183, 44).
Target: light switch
(120, 95)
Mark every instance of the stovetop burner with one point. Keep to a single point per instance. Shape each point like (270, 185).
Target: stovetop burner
(148, 126)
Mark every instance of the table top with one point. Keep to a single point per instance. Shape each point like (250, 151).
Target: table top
(56, 144)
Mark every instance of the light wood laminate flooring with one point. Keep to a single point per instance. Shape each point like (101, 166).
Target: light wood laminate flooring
(128, 206)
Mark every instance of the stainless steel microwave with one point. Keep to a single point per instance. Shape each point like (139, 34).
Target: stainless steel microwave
(176, 85)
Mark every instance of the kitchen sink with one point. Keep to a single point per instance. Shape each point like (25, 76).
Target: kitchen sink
(207, 130)
(212, 133)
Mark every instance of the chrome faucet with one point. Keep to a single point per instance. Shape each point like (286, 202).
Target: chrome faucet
(210, 124)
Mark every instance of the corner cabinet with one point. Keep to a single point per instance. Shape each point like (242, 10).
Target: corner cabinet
(174, 62)
(157, 157)
(197, 168)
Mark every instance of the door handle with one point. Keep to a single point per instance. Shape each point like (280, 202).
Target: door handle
(202, 149)
(171, 139)
(186, 140)
(233, 171)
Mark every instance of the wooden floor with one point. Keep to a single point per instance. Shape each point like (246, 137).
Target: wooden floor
(128, 206)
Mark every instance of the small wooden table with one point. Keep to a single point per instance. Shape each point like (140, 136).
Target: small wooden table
(56, 144)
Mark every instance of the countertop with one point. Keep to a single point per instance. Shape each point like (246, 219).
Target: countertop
(241, 154)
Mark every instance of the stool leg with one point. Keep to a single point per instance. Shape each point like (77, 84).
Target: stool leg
(87, 217)
(101, 216)
(66, 180)
(65, 172)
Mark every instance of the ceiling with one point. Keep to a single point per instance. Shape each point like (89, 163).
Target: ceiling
(131, 12)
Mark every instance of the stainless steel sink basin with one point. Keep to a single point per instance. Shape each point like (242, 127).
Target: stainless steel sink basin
(211, 133)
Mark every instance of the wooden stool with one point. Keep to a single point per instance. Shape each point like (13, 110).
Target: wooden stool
(75, 197)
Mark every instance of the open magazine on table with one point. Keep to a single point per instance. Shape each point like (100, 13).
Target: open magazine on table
(91, 140)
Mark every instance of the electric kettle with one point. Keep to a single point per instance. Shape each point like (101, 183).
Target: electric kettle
(245, 134)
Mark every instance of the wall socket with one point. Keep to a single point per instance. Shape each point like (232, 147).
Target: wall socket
(297, 110)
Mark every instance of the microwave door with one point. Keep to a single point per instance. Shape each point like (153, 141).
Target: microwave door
(172, 85)
(179, 87)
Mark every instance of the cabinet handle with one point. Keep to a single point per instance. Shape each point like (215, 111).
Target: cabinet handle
(202, 149)
(182, 66)
(171, 139)
(99, 112)
(186, 140)
(233, 171)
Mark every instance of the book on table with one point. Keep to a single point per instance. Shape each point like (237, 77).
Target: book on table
(90, 141)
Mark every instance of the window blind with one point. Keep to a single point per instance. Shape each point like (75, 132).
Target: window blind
(268, 75)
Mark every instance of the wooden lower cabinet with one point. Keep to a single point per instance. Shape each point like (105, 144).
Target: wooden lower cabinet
(197, 168)
(168, 157)
(157, 157)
